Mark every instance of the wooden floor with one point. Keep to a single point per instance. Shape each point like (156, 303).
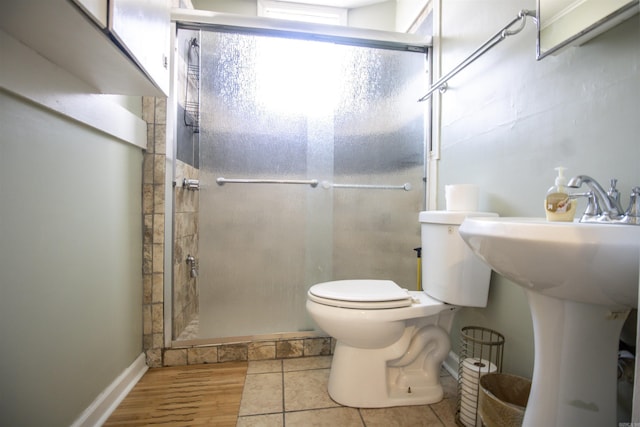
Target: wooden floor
(186, 395)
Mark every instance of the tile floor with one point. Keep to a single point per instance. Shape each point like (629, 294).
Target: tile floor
(293, 392)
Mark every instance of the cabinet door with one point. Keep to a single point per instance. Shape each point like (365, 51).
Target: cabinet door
(142, 29)
(96, 9)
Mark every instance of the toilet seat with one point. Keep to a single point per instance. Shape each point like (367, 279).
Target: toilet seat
(361, 294)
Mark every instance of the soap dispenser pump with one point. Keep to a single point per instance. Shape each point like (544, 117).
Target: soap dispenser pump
(558, 205)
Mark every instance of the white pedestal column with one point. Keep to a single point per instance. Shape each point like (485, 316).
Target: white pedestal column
(574, 374)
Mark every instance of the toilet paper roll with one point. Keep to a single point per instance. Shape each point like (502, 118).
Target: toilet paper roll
(477, 367)
(461, 197)
(472, 369)
(469, 419)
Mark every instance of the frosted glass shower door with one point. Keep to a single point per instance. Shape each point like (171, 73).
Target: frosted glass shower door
(287, 110)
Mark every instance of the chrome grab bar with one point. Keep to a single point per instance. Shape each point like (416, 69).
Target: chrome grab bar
(406, 186)
(312, 182)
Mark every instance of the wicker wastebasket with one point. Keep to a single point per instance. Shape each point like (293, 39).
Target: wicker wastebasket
(503, 399)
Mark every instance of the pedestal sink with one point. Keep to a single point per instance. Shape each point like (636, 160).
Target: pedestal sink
(581, 281)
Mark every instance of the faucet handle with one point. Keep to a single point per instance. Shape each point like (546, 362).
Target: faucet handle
(593, 207)
(633, 211)
(613, 191)
(614, 194)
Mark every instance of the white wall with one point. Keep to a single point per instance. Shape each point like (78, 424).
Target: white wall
(240, 7)
(407, 11)
(70, 263)
(380, 16)
(508, 120)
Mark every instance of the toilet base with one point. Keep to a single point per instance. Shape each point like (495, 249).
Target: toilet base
(366, 378)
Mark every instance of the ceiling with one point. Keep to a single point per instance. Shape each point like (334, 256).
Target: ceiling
(347, 4)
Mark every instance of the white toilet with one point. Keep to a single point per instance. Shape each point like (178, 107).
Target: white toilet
(390, 342)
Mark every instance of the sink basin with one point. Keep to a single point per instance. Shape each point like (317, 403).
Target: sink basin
(591, 263)
(581, 281)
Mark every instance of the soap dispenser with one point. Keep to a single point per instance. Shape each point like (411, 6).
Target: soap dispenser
(558, 205)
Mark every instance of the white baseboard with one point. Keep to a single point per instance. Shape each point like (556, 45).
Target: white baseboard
(100, 409)
(451, 364)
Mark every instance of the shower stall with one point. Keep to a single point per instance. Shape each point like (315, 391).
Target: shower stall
(308, 152)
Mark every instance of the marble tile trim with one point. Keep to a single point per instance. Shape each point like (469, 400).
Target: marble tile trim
(279, 350)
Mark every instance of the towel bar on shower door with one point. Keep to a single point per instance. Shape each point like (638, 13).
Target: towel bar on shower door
(406, 186)
(221, 181)
(312, 182)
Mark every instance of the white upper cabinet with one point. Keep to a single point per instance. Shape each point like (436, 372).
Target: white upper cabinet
(116, 47)
(98, 10)
(142, 28)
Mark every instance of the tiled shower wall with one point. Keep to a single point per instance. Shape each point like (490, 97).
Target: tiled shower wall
(185, 289)
(185, 302)
(153, 209)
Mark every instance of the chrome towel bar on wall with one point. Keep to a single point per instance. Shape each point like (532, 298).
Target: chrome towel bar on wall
(506, 31)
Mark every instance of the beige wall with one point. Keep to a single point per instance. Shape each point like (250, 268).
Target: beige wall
(508, 120)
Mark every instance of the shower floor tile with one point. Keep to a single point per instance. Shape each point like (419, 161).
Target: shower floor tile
(293, 392)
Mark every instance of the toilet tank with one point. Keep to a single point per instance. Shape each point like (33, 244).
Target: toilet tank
(450, 271)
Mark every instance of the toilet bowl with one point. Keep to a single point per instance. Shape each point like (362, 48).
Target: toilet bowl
(384, 356)
(391, 342)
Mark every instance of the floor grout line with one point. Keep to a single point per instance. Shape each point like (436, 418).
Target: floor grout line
(313, 391)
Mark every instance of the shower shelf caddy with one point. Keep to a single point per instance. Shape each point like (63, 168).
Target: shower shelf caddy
(192, 87)
(481, 352)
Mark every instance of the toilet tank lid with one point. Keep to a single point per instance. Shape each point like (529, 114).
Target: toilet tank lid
(450, 217)
(360, 290)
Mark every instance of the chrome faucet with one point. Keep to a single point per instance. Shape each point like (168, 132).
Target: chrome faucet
(191, 184)
(603, 206)
(193, 265)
